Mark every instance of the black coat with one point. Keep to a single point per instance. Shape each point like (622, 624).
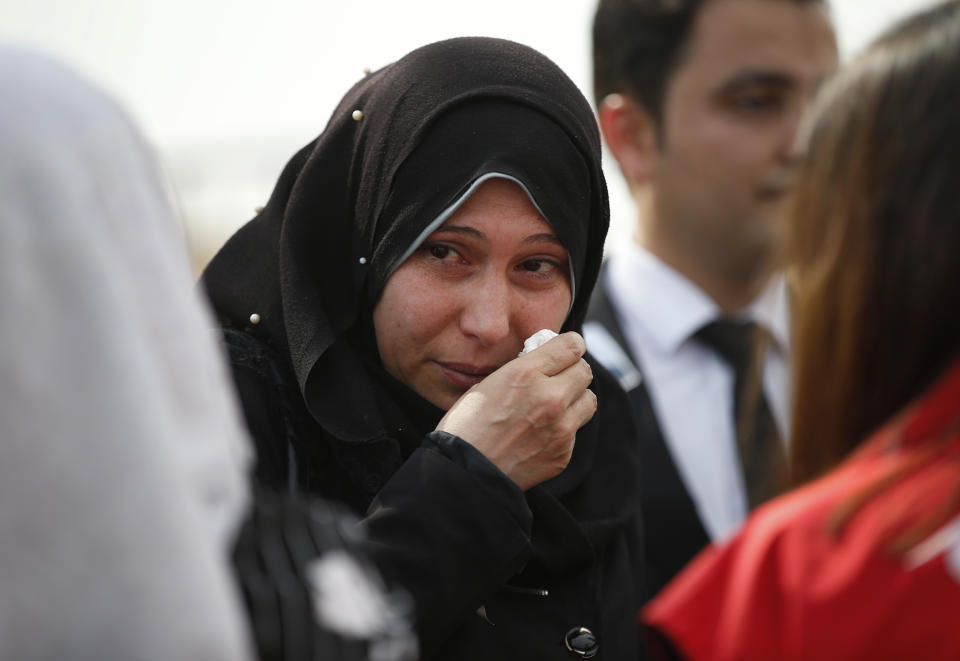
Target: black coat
(494, 573)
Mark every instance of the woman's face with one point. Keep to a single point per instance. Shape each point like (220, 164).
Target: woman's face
(461, 305)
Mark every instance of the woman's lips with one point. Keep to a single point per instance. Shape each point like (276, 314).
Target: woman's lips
(464, 376)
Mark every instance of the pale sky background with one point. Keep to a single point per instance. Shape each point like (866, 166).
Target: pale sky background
(227, 91)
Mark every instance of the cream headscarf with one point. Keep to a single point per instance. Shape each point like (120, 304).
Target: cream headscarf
(122, 455)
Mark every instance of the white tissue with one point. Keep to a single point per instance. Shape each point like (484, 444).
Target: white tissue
(536, 340)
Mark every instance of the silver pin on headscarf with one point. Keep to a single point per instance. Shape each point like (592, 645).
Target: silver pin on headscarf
(363, 260)
(357, 115)
(254, 318)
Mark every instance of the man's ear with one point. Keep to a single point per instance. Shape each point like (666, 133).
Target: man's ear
(631, 136)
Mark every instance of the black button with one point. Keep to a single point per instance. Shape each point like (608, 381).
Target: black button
(581, 642)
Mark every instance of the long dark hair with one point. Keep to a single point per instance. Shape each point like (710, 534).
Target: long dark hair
(875, 233)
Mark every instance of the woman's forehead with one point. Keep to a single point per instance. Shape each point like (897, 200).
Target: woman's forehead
(499, 205)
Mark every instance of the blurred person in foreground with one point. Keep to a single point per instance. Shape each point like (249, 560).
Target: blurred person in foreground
(124, 485)
(863, 562)
(375, 311)
(699, 103)
(123, 457)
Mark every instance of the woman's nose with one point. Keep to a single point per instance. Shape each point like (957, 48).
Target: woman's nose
(486, 311)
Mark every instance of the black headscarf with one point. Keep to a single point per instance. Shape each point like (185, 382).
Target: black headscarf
(404, 144)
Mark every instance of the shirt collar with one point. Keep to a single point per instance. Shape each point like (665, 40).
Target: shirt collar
(670, 308)
(771, 310)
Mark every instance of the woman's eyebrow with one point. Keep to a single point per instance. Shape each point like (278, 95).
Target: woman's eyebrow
(543, 236)
(460, 229)
(477, 234)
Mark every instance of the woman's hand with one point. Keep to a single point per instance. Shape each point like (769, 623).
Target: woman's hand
(524, 417)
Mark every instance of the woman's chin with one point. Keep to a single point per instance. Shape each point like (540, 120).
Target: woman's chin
(441, 394)
(444, 402)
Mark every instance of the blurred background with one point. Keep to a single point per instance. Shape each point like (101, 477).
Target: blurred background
(226, 91)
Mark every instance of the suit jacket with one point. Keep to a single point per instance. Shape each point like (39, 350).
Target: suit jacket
(673, 530)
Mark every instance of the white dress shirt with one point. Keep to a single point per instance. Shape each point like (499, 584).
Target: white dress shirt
(690, 386)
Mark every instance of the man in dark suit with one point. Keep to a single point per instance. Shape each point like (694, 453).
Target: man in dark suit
(699, 102)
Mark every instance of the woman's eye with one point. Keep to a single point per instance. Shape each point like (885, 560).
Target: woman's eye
(532, 265)
(443, 254)
(439, 251)
(539, 266)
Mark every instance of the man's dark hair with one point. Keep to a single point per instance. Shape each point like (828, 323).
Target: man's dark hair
(637, 45)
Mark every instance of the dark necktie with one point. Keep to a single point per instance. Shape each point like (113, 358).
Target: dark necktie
(762, 456)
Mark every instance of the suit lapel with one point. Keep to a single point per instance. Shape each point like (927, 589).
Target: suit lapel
(673, 531)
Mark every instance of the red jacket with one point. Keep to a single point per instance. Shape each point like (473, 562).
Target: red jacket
(787, 587)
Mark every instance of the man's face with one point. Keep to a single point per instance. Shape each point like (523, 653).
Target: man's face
(727, 139)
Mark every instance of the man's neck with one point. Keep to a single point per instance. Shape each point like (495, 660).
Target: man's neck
(731, 292)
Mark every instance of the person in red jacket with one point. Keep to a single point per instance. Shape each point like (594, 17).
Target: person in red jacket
(863, 561)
